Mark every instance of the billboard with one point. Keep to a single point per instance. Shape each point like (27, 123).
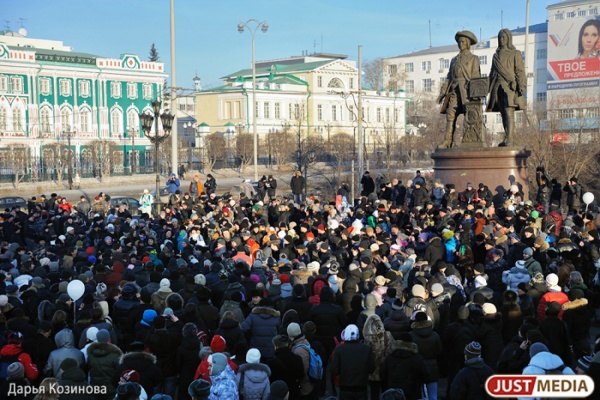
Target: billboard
(574, 54)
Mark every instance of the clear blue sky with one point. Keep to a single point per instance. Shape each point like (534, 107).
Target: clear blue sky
(209, 44)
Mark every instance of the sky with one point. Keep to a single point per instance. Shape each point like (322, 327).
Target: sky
(208, 43)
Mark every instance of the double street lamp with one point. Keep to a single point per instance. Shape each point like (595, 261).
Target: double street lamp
(167, 122)
(242, 26)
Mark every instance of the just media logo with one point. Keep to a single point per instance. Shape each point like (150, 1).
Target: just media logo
(556, 386)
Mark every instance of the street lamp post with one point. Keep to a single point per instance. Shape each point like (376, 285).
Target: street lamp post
(132, 159)
(167, 120)
(68, 133)
(242, 26)
(186, 127)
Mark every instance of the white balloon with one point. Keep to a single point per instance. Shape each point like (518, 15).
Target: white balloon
(75, 289)
(588, 198)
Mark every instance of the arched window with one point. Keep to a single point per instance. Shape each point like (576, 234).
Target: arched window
(116, 122)
(65, 119)
(132, 121)
(46, 119)
(84, 120)
(335, 83)
(17, 119)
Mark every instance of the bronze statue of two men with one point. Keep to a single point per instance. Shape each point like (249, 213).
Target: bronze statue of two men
(464, 89)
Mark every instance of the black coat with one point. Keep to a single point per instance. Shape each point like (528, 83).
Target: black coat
(353, 362)
(187, 361)
(397, 323)
(404, 369)
(577, 317)
(557, 338)
(232, 333)
(145, 364)
(288, 367)
(489, 335)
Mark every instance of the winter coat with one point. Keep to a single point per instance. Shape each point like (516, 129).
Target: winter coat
(397, 323)
(262, 324)
(234, 307)
(436, 251)
(353, 362)
(231, 332)
(489, 334)
(163, 345)
(405, 369)
(72, 378)
(288, 367)
(381, 343)
(516, 275)
(103, 359)
(577, 317)
(224, 386)
(187, 361)
(429, 344)
(469, 383)
(145, 364)
(253, 381)
(543, 362)
(329, 318)
(554, 294)
(64, 349)
(370, 309)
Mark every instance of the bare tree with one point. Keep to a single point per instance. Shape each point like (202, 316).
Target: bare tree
(244, 150)
(214, 147)
(373, 73)
(341, 147)
(52, 156)
(17, 159)
(281, 145)
(394, 75)
(103, 157)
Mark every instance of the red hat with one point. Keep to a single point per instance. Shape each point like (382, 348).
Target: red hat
(321, 227)
(310, 235)
(146, 259)
(218, 344)
(130, 375)
(226, 210)
(284, 278)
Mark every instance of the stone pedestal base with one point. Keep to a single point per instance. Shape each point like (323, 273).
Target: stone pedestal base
(496, 167)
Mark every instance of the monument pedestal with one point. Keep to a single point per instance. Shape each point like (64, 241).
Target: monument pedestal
(496, 167)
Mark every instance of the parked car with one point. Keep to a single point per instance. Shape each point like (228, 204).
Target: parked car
(164, 194)
(131, 204)
(13, 201)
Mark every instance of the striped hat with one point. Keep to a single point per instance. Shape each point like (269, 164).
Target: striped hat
(473, 350)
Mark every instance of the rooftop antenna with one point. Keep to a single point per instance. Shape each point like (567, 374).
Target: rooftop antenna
(315, 46)
(21, 21)
(430, 46)
(501, 19)
(7, 26)
(480, 37)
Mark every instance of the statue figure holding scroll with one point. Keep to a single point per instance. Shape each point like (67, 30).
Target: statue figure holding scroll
(507, 84)
(454, 92)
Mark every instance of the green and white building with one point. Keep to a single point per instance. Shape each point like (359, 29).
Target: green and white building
(52, 96)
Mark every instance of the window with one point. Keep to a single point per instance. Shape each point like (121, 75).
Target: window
(297, 114)
(567, 113)
(444, 63)
(46, 119)
(267, 109)
(277, 111)
(484, 75)
(378, 114)
(147, 91)
(540, 97)
(427, 85)
(387, 115)
(17, 119)
(559, 16)
(540, 75)
(3, 118)
(335, 83)
(65, 118)
(593, 112)
(45, 86)
(115, 89)
(351, 83)
(290, 112)
(519, 117)
(132, 120)
(498, 118)
(409, 67)
(352, 114)
(319, 81)
(593, 11)
(425, 65)
(181, 107)
(392, 69)
(84, 88)
(255, 110)
(116, 123)
(65, 87)
(132, 90)
(571, 14)
(320, 112)
(84, 120)
(541, 54)
(396, 114)
(17, 84)
(3, 84)
(334, 115)
(483, 60)
(582, 13)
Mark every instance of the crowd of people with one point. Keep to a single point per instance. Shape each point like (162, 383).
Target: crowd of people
(277, 296)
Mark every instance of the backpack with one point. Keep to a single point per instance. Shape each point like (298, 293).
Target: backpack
(315, 368)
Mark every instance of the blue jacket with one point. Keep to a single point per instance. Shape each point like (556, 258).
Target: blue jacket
(224, 386)
(173, 185)
(263, 324)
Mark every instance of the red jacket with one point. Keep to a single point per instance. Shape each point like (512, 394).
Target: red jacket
(204, 373)
(12, 350)
(548, 297)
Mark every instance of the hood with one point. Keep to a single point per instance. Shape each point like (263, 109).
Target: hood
(74, 375)
(100, 350)
(401, 346)
(422, 328)
(546, 360)
(519, 270)
(265, 312)
(227, 324)
(370, 302)
(373, 326)
(10, 350)
(138, 360)
(571, 305)
(317, 284)
(256, 373)
(64, 338)
(349, 286)
(286, 290)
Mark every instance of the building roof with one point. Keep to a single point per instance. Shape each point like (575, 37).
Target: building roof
(537, 28)
(53, 52)
(568, 3)
(280, 69)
